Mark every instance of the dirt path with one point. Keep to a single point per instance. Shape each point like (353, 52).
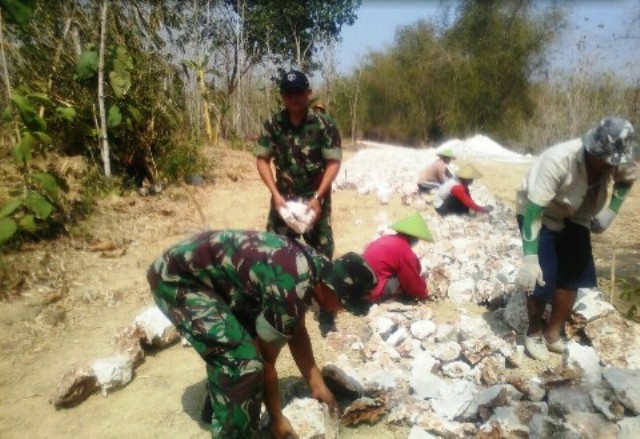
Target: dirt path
(75, 298)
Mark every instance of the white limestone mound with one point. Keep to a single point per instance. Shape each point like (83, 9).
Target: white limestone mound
(480, 146)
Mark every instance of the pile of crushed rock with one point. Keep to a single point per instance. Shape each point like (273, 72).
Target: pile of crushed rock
(464, 378)
(383, 170)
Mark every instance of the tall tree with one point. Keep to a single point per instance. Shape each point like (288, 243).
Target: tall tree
(500, 45)
(106, 160)
(293, 31)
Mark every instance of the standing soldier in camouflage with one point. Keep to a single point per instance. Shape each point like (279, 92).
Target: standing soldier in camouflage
(306, 149)
(238, 297)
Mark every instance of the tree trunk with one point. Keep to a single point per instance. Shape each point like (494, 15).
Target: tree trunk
(103, 116)
(5, 71)
(56, 60)
(205, 107)
(354, 110)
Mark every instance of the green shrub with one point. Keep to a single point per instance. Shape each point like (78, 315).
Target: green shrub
(180, 160)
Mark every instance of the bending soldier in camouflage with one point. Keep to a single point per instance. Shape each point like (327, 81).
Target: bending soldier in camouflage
(238, 297)
(306, 149)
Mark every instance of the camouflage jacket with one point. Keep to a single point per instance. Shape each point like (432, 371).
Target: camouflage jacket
(299, 153)
(261, 276)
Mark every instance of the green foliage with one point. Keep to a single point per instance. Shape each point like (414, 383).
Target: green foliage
(628, 290)
(115, 117)
(87, 66)
(472, 75)
(28, 113)
(8, 228)
(67, 113)
(33, 203)
(183, 160)
(120, 76)
(20, 11)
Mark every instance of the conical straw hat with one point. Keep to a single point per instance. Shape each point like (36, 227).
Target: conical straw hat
(468, 172)
(413, 225)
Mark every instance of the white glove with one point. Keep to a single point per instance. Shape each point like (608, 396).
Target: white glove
(601, 221)
(529, 274)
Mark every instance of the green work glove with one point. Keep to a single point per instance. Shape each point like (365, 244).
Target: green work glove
(529, 274)
(602, 220)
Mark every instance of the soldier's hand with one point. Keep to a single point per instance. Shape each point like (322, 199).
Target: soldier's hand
(278, 202)
(323, 394)
(315, 206)
(281, 428)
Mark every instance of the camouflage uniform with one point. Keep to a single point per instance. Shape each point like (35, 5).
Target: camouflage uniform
(221, 289)
(300, 155)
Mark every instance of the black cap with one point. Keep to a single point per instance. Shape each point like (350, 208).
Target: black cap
(351, 278)
(294, 79)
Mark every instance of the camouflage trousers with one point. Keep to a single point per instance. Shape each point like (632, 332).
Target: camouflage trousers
(235, 372)
(320, 237)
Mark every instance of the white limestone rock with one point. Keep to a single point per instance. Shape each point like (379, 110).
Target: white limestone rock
(515, 313)
(456, 369)
(629, 428)
(590, 306)
(568, 399)
(444, 428)
(606, 403)
(585, 360)
(461, 291)
(419, 433)
(591, 425)
(616, 340)
(397, 337)
(626, 386)
(383, 326)
(158, 329)
(307, 418)
(446, 332)
(422, 329)
(447, 351)
(113, 372)
(473, 328)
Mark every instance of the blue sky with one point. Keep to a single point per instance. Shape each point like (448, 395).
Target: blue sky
(600, 34)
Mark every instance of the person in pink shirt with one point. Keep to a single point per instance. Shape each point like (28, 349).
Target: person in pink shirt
(394, 263)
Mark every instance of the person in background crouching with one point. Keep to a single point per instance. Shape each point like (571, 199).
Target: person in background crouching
(453, 197)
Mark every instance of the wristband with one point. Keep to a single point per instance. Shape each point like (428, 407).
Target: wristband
(316, 196)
